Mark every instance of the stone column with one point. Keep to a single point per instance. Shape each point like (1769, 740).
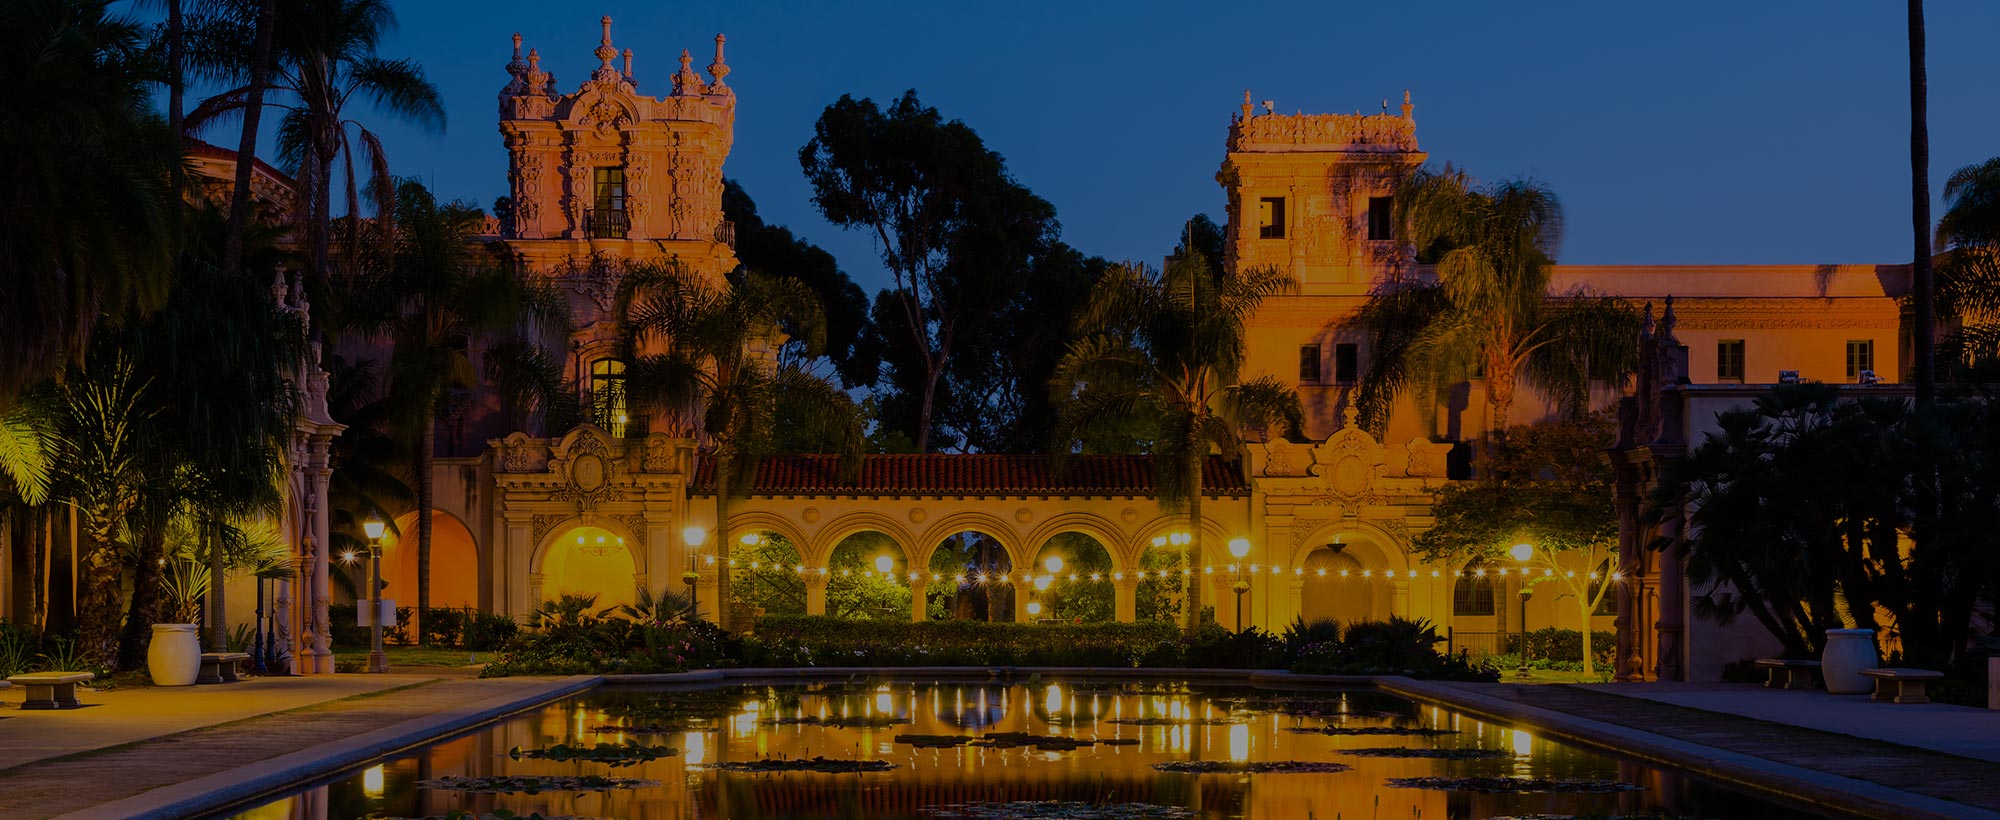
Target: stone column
(1125, 597)
(1023, 591)
(1626, 658)
(662, 572)
(318, 475)
(816, 592)
(919, 601)
(1672, 605)
(510, 565)
(1399, 597)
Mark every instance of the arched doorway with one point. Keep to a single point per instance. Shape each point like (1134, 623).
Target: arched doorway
(454, 563)
(1333, 587)
(1073, 580)
(768, 576)
(590, 561)
(973, 579)
(1164, 577)
(868, 578)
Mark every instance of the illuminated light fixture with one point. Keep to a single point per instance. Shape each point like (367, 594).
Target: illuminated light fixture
(1072, 577)
(1481, 572)
(1210, 570)
(1570, 574)
(1617, 576)
(980, 577)
(1054, 563)
(1434, 573)
(1093, 576)
(1548, 573)
(373, 527)
(371, 781)
(694, 536)
(1239, 547)
(1322, 572)
(1298, 570)
(934, 576)
(958, 579)
(1034, 608)
(345, 558)
(1522, 551)
(1413, 573)
(1343, 573)
(1180, 539)
(884, 563)
(844, 573)
(1592, 576)
(749, 539)
(1043, 582)
(1503, 570)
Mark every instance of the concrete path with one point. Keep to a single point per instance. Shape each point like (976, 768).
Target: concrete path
(1938, 727)
(124, 716)
(231, 760)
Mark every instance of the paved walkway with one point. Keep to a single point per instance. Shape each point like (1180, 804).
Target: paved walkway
(240, 750)
(1887, 744)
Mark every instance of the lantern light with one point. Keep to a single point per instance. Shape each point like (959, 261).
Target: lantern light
(374, 527)
(1239, 547)
(884, 563)
(1522, 551)
(694, 536)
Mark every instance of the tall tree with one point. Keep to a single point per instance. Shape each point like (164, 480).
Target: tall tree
(774, 250)
(104, 425)
(1968, 277)
(1922, 300)
(1489, 309)
(435, 296)
(696, 346)
(954, 229)
(86, 207)
(1169, 346)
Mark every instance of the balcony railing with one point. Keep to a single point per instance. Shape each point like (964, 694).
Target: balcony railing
(725, 232)
(606, 223)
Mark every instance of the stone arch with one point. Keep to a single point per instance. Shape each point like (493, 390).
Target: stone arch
(1113, 538)
(745, 523)
(987, 524)
(819, 550)
(455, 561)
(1392, 553)
(557, 537)
(1213, 535)
(1367, 551)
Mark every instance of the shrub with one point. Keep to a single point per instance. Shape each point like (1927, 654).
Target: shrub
(487, 631)
(1393, 647)
(573, 636)
(18, 646)
(1563, 645)
(342, 628)
(824, 641)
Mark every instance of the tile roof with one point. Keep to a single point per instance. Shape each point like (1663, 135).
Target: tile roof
(972, 474)
(198, 148)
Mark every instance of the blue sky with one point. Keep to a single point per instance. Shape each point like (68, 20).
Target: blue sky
(1772, 131)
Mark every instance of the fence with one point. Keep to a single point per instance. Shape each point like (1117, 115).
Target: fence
(1474, 644)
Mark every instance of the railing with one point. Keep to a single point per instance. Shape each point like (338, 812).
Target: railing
(606, 223)
(725, 232)
(1474, 644)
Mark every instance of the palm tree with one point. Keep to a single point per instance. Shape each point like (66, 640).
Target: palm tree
(85, 202)
(1169, 347)
(698, 346)
(437, 293)
(104, 425)
(1922, 308)
(1488, 309)
(322, 59)
(1968, 286)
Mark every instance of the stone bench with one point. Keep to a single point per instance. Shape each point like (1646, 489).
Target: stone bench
(1900, 685)
(51, 690)
(1790, 674)
(220, 667)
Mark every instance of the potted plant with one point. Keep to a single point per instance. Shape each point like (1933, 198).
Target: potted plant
(174, 658)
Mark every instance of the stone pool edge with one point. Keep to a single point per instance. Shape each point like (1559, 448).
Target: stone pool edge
(1783, 783)
(244, 784)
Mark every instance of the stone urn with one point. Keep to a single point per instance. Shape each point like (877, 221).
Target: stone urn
(174, 659)
(1848, 651)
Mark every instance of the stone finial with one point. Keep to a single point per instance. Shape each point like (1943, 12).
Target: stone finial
(606, 53)
(1667, 322)
(517, 69)
(719, 69)
(539, 81)
(1248, 107)
(1407, 107)
(628, 65)
(686, 82)
(1270, 107)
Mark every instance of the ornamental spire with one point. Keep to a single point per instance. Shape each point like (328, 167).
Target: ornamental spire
(628, 65)
(517, 71)
(606, 53)
(718, 69)
(686, 82)
(1407, 107)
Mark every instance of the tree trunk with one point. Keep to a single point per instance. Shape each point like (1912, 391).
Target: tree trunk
(426, 457)
(218, 612)
(723, 542)
(1196, 579)
(1586, 608)
(1922, 307)
(932, 373)
(97, 610)
(246, 146)
(145, 605)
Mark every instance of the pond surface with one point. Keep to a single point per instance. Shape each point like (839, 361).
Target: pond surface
(1097, 746)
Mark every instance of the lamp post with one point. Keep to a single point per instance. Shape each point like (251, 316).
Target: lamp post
(695, 537)
(378, 660)
(1240, 548)
(1521, 553)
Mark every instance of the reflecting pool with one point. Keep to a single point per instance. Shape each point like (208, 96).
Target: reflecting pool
(992, 750)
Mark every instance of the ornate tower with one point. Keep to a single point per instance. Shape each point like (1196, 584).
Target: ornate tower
(608, 171)
(1311, 193)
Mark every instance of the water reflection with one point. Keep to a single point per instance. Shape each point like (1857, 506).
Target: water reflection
(862, 720)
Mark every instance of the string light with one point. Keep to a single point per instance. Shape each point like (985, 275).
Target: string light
(1044, 581)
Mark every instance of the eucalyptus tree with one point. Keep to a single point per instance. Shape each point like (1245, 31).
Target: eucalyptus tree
(1488, 311)
(86, 207)
(701, 347)
(1169, 347)
(434, 295)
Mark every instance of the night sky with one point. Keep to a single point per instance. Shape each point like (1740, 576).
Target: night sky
(1684, 132)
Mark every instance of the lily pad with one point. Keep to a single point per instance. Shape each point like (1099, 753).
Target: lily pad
(615, 754)
(1011, 740)
(1058, 810)
(535, 784)
(647, 729)
(1508, 785)
(1255, 767)
(1163, 721)
(805, 764)
(1437, 754)
(866, 722)
(1410, 731)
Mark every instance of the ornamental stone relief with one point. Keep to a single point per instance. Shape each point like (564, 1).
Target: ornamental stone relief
(1347, 465)
(588, 469)
(1372, 130)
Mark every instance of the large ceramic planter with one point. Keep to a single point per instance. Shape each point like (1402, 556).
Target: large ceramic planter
(174, 659)
(1848, 651)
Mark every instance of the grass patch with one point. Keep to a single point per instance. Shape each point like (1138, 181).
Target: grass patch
(418, 655)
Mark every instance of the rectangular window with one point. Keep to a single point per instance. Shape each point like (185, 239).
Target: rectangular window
(1729, 360)
(607, 396)
(1860, 356)
(1346, 363)
(1308, 364)
(607, 214)
(1381, 217)
(1271, 217)
(1472, 594)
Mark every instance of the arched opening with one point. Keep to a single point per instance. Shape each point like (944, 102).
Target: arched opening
(1165, 574)
(971, 571)
(867, 578)
(1073, 580)
(590, 561)
(767, 576)
(1472, 592)
(1333, 587)
(454, 563)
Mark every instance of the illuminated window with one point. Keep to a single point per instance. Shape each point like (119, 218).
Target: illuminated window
(607, 395)
(1308, 364)
(1860, 356)
(1271, 217)
(607, 215)
(1473, 593)
(1381, 217)
(1346, 363)
(1729, 360)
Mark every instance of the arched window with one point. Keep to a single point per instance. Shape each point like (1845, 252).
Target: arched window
(1473, 593)
(607, 395)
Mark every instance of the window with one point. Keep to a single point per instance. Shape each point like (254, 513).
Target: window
(1729, 360)
(607, 215)
(1860, 356)
(1346, 363)
(1308, 364)
(1608, 605)
(1381, 217)
(607, 396)
(1271, 217)
(1473, 593)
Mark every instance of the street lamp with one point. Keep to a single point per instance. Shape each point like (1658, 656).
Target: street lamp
(378, 660)
(694, 537)
(884, 564)
(1240, 548)
(1054, 564)
(1521, 553)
